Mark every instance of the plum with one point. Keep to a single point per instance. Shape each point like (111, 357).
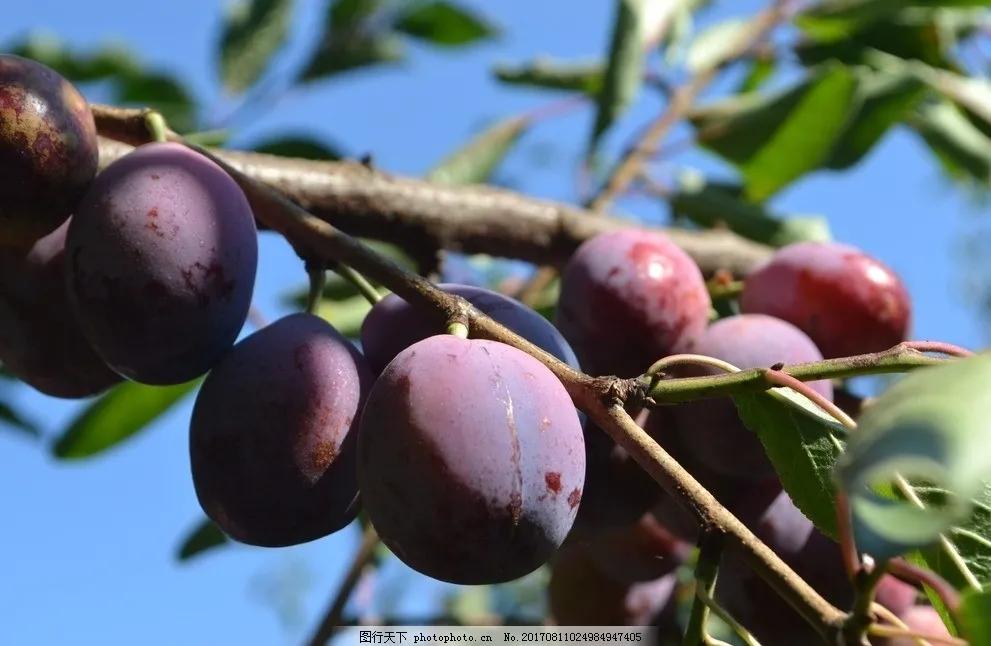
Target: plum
(580, 594)
(711, 430)
(40, 340)
(273, 435)
(48, 150)
(471, 461)
(161, 263)
(628, 298)
(393, 325)
(846, 301)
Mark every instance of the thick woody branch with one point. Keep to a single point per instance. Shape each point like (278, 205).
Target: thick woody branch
(370, 203)
(601, 398)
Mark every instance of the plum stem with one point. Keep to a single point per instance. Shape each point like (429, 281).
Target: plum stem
(658, 367)
(367, 290)
(602, 398)
(706, 572)
(458, 329)
(362, 559)
(318, 279)
(157, 127)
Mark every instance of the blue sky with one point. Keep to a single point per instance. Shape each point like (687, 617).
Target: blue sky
(87, 547)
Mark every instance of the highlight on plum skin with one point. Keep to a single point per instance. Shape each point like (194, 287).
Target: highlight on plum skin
(48, 150)
(471, 461)
(848, 302)
(41, 342)
(628, 298)
(393, 325)
(161, 261)
(711, 430)
(273, 436)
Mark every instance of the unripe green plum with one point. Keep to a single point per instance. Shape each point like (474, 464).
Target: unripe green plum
(48, 150)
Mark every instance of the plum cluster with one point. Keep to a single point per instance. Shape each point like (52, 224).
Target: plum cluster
(468, 456)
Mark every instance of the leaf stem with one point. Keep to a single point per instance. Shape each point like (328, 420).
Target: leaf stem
(916, 575)
(367, 290)
(706, 572)
(778, 378)
(720, 612)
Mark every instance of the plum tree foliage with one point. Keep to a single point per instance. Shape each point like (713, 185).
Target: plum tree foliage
(478, 453)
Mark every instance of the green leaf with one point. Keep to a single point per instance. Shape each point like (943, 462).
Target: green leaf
(443, 23)
(882, 100)
(555, 75)
(12, 419)
(350, 40)
(969, 539)
(835, 20)
(475, 162)
(776, 139)
(962, 149)
(711, 205)
(345, 315)
(761, 70)
(301, 146)
(624, 69)
(975, 616)
(161, 92)
(116, 416)
(202, 538)
(712, 45)
(342, 55)
(801, 442)
(253, 32)
(930, 427)
(103, 62)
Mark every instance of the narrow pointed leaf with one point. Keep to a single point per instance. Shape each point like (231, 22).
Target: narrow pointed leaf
(711, 205)
(202, 538)
(253, 32)
(13, 419)
(477, 160)
(881, 100)
(443, 23)
(554, 75)
(117, 415)
(302, 146)
(712, 45)
(963, 151)
(624, 69)
(801, 442)
(774, 140)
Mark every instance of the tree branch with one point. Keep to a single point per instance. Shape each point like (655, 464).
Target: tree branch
(601, 398)
(425, 217)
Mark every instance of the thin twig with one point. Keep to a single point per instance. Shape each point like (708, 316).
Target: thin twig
(681, 102)
(333, 616)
